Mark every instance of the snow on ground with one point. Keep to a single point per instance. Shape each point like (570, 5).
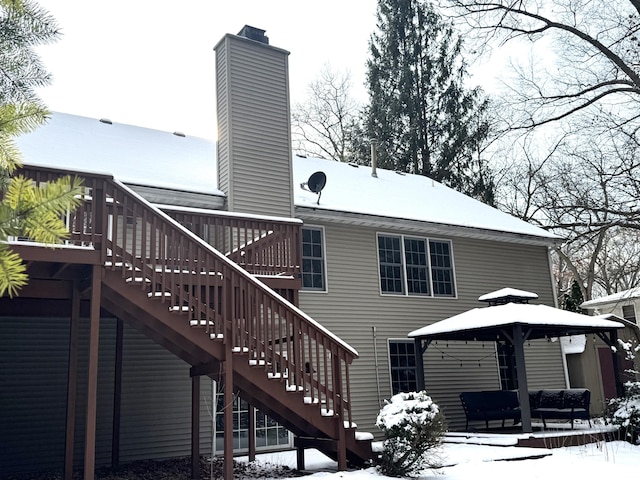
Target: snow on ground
(594, 461)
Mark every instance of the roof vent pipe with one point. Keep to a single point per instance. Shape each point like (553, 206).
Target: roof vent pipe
(374, 158)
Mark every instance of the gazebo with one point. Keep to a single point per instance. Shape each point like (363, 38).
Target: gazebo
(516, 322)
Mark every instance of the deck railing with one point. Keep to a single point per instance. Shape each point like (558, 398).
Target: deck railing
(261, 245)
(173, 265)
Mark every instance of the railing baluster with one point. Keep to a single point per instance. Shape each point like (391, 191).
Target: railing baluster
(143, 242)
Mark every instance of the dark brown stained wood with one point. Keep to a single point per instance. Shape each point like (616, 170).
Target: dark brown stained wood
(195, 428)
(62, 255)
(92, 377)
(129, 260)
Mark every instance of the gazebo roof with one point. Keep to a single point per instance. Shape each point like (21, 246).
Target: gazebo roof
(506, 295)
(495, 323)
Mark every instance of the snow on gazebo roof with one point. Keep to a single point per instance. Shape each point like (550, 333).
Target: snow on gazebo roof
(490, 323)
(507, 293)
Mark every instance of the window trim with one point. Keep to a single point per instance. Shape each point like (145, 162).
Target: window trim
(405, 289)
(399, 340)
(304, 289)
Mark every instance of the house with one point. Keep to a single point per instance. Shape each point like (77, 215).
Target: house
(589, 361)
(182, 244)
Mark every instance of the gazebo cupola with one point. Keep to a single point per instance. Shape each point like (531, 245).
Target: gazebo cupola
(507, 295)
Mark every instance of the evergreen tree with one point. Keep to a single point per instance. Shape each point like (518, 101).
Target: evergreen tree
(25, 209)
(425, 120)
(572, 300)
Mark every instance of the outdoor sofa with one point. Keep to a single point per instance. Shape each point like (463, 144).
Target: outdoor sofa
(547, 404)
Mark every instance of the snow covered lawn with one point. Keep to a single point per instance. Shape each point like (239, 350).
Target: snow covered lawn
(603, 460)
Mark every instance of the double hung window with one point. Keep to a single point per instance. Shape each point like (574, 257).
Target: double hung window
(313, 263)
(415, 266)
(402, 361)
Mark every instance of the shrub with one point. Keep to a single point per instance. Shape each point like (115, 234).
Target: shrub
(626, 412)
(413, 427)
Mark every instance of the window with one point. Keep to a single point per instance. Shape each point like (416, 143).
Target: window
(313, 264)
(415, 254)
(390, 255)
(402, 361)
(269, 433)
(629, 313)
(408, 267)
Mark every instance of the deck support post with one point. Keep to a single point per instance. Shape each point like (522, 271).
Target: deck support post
(92, 375)
(228, 406)
(252, 433)
(72, 382)
(195, 427)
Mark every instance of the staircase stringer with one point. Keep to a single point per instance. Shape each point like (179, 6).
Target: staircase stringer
(161, 264)
(170, 266)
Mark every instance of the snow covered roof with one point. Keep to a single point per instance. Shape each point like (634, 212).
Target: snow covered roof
(133, 155)
(352, 189)
(141, 156)
(507, 292)
(613, 298)
(486, 322)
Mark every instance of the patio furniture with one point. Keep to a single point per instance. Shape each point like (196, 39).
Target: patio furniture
(560, 404)
(491, 405)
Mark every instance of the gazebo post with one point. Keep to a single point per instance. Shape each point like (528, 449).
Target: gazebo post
(419, 353)
(523, 387)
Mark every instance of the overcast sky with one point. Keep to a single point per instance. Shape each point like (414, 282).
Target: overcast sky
(151, 63)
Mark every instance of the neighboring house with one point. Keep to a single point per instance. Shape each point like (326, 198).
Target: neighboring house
(374, 257)
(590, 366)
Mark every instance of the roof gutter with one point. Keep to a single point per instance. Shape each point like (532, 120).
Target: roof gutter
(431, 228)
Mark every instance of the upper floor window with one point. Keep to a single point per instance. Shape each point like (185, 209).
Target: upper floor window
(313, 264)
(629, 313)
(415, 266)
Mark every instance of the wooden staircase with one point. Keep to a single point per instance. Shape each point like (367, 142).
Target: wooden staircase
(208, 307)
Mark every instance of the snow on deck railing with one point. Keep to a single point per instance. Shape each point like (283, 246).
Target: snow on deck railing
(231, 304)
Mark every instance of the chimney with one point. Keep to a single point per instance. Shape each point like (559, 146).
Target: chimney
(254, 151)
(374, 158)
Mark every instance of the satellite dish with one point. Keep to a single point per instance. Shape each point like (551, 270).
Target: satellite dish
(317, 181)
(315, 184)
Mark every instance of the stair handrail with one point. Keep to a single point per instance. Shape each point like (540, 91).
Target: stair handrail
(295, 348)
(289, 344)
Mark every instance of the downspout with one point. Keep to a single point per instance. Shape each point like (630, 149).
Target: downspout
(375, 362)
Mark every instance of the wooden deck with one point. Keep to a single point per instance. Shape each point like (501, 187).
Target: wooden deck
(555, 436)
(214, 289)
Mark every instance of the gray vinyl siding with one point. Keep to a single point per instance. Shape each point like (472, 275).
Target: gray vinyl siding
(156, 397)
(222, 99)
(480, 267)
(254, 152)
(33, 398)
(156, 401)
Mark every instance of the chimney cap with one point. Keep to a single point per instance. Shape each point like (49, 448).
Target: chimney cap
(253, 33)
